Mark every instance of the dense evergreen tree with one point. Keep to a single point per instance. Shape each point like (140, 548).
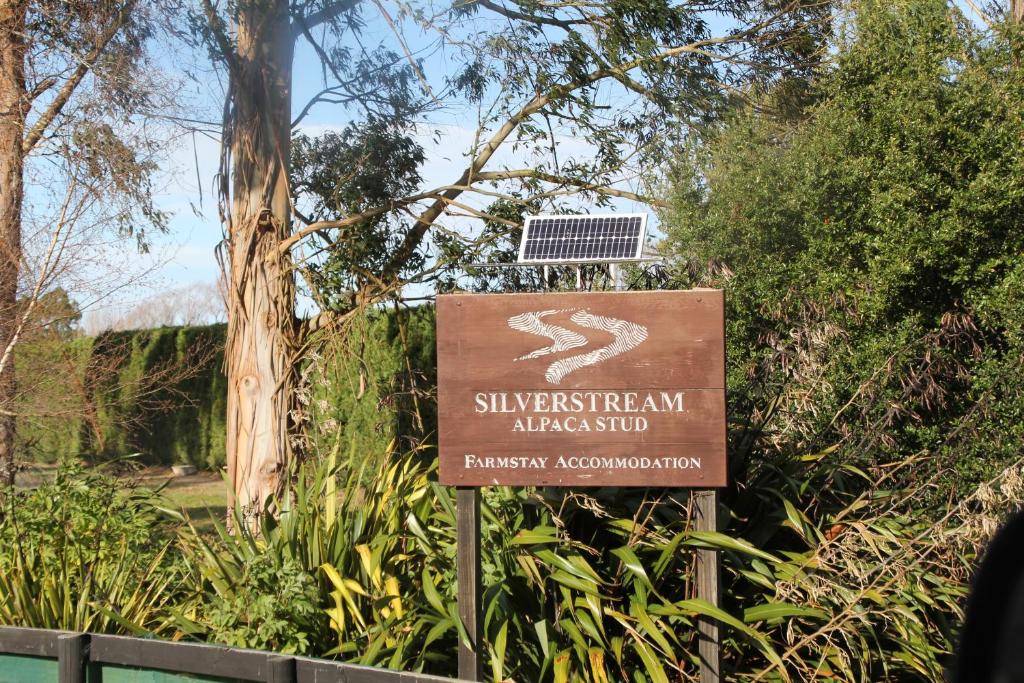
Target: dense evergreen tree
(870, 240)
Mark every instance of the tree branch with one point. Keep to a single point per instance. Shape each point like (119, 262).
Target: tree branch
(321, 16)
(476, 212)
(566, 24)
(562, 180)
(42, 87)
(444, 197)
(415, 236)
(405, 48)
(220, 35)
(75, 79)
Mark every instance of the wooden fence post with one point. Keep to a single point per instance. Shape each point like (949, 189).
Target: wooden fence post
(281, 670)
(467, 516)
(72, 655)
(708, 588)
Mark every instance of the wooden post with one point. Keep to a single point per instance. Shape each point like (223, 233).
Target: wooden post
(281, 669)
(708, 587)
(467, 516)
(72, 654)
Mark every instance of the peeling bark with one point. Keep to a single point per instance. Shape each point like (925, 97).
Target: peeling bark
(261, 344)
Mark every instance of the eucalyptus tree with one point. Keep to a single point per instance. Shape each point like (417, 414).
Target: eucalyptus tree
(526, 80)
(71, 78)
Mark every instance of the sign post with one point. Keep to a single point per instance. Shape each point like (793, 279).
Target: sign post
(581, 389)
(705, 504)
(470, 588)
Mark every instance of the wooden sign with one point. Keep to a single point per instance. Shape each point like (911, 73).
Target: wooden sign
(582, 389)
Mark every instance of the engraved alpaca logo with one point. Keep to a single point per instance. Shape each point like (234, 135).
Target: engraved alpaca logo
(628, 335)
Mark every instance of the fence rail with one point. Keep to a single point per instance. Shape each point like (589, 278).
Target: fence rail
(74, 653)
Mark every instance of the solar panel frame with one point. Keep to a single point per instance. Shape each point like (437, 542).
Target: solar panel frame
(583, 238)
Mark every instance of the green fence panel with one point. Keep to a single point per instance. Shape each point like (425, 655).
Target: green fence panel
(23, 669)
(112, 673)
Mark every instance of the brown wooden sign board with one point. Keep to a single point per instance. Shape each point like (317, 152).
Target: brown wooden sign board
(582, 389)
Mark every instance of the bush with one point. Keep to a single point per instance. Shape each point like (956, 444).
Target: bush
(827, 572)
(270, 605)
(869, 245)
(87, 553)
(349, 549)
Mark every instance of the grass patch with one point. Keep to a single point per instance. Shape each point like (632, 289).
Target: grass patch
(201, 497)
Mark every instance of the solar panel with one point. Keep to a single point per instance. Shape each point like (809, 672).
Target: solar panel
(582, 239)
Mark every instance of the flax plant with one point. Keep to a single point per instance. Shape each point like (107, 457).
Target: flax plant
(828, 573)
(88, 553)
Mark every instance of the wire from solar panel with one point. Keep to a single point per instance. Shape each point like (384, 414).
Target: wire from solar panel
(568, 239)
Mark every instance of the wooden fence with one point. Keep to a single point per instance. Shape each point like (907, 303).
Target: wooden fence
(30, 655)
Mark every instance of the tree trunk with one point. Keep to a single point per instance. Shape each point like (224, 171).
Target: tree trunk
(13, 106)
(1017, 11)
(261, 344)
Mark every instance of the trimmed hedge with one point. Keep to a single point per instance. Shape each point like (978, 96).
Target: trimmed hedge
(168, 399)
(109, 396)
(158, 392)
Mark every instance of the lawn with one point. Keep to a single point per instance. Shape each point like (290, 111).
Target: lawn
(201, 497)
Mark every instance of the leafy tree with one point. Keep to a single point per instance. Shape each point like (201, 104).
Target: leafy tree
(72, 75)
(55, 313)
(340, 174)
(530, 76)
(871, 245)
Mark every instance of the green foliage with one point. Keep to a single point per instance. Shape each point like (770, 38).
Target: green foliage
(269, 606)
(343, 174)
(375, 382)
(159, 393)
(50, 404)
(587, 99)
(353, 543)
(870, 245)
(53, 314)
(820, 579)
(100, 144)
(86, 553)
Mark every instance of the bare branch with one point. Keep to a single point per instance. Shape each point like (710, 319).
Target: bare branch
(562, 180)
(408, 53)
(567, 24)
(62, 222)
(41, 87)
(476, 212)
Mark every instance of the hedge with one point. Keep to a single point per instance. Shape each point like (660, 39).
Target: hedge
(109, 396)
